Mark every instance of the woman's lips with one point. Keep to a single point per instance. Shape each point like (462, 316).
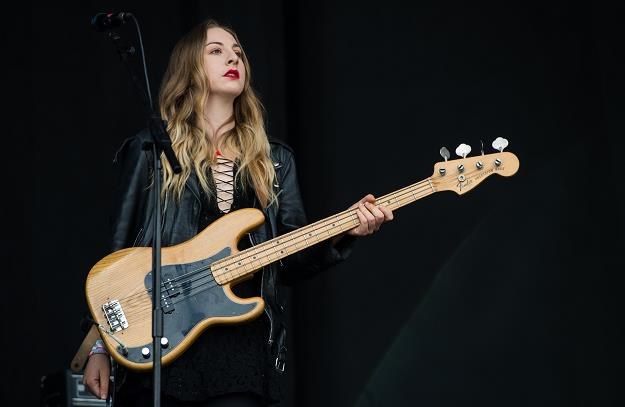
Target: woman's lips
(232, 74)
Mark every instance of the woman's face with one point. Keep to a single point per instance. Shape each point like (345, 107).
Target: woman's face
(223, 63)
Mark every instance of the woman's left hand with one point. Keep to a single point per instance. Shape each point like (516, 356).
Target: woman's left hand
(371, 216)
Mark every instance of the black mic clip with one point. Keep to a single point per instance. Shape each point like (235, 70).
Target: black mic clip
(107, 21)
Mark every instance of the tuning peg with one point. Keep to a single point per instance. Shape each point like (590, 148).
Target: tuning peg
(500, 143)
(462, 150)
(444, 153)
(482, 147)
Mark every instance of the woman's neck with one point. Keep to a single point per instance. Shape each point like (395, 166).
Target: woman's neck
(219, 117)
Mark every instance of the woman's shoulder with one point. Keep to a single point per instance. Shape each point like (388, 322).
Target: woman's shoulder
(280, 151)
(133, 145)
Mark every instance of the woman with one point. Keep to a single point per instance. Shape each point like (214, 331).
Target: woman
(216, 125)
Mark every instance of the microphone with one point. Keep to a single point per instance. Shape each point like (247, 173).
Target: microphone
(106, 21)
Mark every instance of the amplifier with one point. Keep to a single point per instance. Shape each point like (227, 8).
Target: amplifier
(66, 389)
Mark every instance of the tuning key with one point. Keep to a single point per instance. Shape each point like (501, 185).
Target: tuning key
(462, 150)
(444, 153)
(500, 143)
(479, 165)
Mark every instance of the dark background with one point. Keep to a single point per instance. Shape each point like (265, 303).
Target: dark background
(510, 295)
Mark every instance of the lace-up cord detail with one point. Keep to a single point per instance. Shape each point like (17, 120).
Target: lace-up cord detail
(223, 175)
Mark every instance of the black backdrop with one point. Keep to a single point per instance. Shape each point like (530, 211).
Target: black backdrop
(509, 295)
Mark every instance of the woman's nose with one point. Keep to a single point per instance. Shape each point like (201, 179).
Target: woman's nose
(233, 60)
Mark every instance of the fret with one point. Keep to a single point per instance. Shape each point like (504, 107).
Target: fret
(322, 230)
(300, 242)
(268, 255)
(254, 257)
(333, 226)
(237, 269)
(283, 251)
(414, 198)
(266, 258)
(342, 223)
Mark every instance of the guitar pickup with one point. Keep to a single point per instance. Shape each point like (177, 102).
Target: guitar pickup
(167, 304)
(171, 289)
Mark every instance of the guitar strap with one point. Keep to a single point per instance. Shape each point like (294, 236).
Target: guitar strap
(80, 358)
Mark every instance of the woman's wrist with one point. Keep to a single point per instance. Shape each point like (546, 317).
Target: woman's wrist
(98, 348)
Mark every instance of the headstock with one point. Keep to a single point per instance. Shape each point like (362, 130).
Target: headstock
(464, 174)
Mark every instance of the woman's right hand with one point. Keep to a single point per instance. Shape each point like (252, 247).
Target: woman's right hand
(96, 375)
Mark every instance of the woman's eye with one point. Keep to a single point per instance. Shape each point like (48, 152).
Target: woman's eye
(216, 51)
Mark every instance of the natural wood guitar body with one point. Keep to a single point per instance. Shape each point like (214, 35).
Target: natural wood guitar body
(126, 276)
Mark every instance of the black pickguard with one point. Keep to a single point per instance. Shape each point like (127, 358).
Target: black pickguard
(188, 301)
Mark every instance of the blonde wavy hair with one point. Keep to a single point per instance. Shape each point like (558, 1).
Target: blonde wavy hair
(182, 99)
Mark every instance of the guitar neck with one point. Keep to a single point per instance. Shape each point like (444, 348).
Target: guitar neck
(250, 260)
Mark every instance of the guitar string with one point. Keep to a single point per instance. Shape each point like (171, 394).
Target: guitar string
(197, 289)
(129, 303)
(129, 300)
(283, 237)
(351, 215)
(348, 212)
(210, 280)
(208, 285)
(428, 183)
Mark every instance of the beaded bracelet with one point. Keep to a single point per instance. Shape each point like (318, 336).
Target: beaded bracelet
(98, 348)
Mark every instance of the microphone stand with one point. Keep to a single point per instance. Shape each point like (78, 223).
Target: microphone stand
(160, 143)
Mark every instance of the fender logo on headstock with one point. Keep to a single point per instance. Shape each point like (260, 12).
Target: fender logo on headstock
(462, 183)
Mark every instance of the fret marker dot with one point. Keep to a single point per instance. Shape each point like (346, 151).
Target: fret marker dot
(239, 263)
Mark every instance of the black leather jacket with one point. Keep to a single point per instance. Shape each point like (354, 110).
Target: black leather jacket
(132, 215)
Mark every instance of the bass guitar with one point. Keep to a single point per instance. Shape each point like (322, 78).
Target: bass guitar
(198, 275)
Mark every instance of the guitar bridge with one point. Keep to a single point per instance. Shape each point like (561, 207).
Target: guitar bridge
(115, 316)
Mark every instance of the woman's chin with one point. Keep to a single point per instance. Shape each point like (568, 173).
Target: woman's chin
(227, 91)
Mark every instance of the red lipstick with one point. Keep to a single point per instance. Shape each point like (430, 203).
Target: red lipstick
(232, 73)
